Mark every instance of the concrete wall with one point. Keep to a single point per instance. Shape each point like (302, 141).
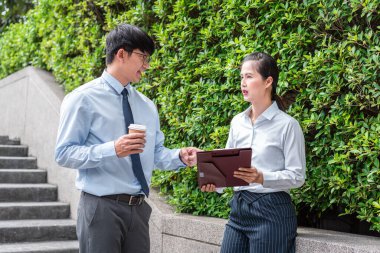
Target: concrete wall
(29, 109)
(30, 100)
(182, 233)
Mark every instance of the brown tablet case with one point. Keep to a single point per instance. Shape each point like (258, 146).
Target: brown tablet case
(217, 166)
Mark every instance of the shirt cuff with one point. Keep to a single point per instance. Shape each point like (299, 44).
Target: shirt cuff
(220, 190)
(108, 149)
(269, 179)
(178, 162)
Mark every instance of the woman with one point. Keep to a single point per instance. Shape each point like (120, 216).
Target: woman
(262, 217)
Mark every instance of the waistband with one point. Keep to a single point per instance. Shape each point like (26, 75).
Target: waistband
(132, 200)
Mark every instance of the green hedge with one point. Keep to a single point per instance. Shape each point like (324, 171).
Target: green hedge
(328, 52)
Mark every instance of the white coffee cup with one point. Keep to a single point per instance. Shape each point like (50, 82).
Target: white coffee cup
(136, 128)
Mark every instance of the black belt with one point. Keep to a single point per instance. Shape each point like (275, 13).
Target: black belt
(132, 200)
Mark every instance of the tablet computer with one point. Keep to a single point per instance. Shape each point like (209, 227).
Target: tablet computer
(217, 166)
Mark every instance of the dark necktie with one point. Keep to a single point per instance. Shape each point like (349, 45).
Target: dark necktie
(136, 163)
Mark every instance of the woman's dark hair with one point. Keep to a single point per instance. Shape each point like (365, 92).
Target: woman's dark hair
(128, 37)
(266, 66)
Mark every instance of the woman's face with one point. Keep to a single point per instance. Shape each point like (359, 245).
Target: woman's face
(253, 86)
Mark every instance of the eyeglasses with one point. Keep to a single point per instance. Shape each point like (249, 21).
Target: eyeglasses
(145, 57)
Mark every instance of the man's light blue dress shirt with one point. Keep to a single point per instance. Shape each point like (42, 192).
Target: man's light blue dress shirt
(91, 120)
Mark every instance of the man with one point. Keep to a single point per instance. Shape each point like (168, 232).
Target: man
(114, 167)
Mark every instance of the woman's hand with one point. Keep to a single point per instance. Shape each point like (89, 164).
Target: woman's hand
(249, 175)
(208, 188)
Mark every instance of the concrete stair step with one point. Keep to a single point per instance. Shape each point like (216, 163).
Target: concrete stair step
(13, 150)
(6, 141)
(27, 192)
(41, 247)
(18, 162)
(31, 221)
(34, 210)
(25, 176)
(12, 231)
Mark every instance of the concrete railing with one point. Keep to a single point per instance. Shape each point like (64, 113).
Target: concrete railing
(30, 100)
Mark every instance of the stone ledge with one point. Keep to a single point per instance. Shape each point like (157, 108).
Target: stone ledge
(319, 240)
(173, 232)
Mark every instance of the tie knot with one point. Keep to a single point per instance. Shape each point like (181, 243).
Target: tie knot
(124, 93)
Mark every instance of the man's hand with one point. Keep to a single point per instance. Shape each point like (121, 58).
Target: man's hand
(189, 155)
(130, 144)
(250, 175)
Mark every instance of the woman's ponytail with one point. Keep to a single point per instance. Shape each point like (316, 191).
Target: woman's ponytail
(279, 102)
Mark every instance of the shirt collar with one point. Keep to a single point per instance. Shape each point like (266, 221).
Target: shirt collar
(269, 113)
(114, 83)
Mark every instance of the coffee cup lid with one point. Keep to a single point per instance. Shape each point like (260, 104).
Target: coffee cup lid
(137, 127)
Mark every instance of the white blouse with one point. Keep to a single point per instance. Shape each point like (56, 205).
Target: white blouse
(278, 148)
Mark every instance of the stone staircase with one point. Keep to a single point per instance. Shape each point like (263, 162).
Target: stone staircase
(31, 219)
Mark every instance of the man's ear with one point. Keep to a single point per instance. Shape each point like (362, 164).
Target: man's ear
(120, 55)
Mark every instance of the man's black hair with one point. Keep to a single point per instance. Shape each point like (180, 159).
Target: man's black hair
(128, 37)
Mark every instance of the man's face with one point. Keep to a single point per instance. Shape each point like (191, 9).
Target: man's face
(134, 64)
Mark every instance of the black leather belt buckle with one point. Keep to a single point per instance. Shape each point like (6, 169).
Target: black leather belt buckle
(126, 198)
(135, 200)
